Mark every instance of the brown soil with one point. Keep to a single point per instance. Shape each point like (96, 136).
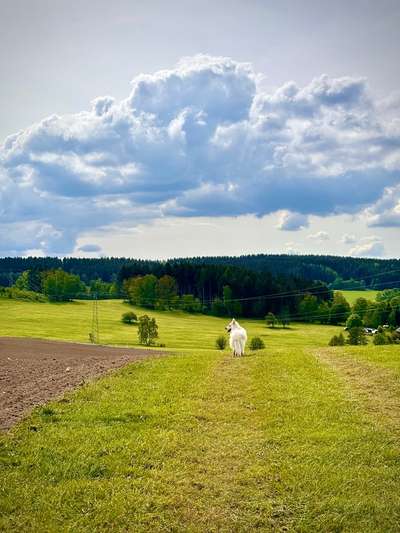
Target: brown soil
(33, 371)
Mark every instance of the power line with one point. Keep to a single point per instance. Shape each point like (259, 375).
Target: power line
(308, 290)
(299, 316)
(300, 292)
(324, 288)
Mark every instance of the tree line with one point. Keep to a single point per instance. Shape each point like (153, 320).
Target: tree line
(215, 289)
(218, 289)
(338, 272)
(58, 286)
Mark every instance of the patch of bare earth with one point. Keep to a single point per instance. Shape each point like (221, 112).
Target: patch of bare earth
(376, 388)
(34, 371)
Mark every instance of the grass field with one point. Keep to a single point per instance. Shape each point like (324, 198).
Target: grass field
(295, 437)
(177, 330)
(351, 296)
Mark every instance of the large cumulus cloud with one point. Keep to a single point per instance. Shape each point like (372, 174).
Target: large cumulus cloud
(201, 139)
(386, 212)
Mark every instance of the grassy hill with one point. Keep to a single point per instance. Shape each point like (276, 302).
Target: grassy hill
(177, 330)
(352, 296)
(295, 437)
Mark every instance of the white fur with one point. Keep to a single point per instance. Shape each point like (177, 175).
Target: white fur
(237, 337)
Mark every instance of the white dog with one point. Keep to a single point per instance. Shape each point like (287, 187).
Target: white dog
(237, 338)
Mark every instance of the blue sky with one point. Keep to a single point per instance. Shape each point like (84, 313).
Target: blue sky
(220, 128)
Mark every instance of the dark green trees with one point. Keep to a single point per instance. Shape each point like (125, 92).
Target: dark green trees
(59, 286)
(355, 329)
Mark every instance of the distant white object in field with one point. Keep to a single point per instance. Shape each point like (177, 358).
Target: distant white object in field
(237, 338)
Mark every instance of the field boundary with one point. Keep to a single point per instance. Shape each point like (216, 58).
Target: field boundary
(34, 371)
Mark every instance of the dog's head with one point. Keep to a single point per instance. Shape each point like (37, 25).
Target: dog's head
(230, 325)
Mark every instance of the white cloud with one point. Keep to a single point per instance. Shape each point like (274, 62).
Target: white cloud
(289, 221)
(291, 248)
(202, 139)
(89, 248)
(348, 239)
(369, 247)
(386, 211)
(319, 236)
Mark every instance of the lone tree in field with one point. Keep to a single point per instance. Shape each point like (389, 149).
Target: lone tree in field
(271, 320)
(129, 318)
(147, 330)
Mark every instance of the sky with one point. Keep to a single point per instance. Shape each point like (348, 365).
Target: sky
(154, 129)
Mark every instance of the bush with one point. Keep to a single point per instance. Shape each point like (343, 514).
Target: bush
(337, 340)
(220, 343)
(395, 337)
(257, 343)
(356, 336)
(19, 294)
(380, 338)
(129, 318)
(147, 330)
(385, 337)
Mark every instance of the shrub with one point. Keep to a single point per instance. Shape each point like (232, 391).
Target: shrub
(395, 337)
(380, 338)
(129, 318)
(257, 343)
(356, 336)
(19, 294)
(147, 330)
(337, 340)
(220, 343)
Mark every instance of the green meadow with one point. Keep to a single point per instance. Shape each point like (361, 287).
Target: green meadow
(352, 296)
(294, 437)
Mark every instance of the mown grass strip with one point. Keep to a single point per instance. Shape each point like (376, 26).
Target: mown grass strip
(372, 377)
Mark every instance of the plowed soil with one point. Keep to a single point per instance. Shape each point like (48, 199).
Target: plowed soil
(33, 371)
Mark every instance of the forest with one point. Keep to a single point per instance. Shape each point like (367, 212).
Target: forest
(241, 287)
(217, 289)
(338, 272)
(351, 273)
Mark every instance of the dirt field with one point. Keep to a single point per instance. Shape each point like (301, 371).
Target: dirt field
(33, 371)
